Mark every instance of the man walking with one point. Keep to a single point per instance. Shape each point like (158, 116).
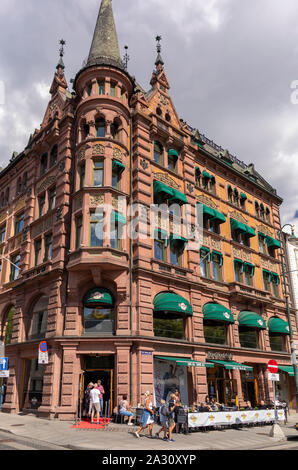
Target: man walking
(95, 404)
(101, 389)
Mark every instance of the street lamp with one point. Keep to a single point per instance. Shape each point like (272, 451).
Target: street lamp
(293, 353)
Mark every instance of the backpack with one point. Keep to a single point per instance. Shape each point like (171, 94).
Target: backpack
(164, 411)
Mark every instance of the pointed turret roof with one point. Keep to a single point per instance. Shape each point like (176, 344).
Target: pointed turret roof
(105, 48)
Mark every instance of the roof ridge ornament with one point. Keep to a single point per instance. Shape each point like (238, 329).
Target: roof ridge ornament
(159, 60)
(61, 52)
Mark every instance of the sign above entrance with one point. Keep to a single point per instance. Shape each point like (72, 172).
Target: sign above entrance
(273, 377)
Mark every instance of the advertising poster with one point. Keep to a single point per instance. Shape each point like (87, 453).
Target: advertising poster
(167, 377)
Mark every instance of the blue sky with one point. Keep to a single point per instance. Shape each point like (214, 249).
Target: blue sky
(230, 64)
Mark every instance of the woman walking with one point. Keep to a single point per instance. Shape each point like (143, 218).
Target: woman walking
(147, 418)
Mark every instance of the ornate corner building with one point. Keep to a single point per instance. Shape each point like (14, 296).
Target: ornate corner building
(153, 311)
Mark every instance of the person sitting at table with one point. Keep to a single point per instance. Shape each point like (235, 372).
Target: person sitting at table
(204, 408)
(215, 406)
(125, 410)
(248, 405)
(194, 408)
(262, 405)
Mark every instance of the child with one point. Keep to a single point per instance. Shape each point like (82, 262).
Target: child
(163, 414)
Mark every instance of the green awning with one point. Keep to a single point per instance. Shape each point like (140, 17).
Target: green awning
(160, 234)
(206, 174)
(251, 320)
(231, 365)
(265, 271)
(174, 238)
(288, 369)
(272, 242)
(184, 361)
(243, 196)
(217, 312)
(178, 197)
(118, 166)
(170, 302)
(98, 296)
(173, 153)
(207, 211)
(236, 225)
(219, 217)
(261, 235)
(277, 325)
(159, 187)
(118, 217)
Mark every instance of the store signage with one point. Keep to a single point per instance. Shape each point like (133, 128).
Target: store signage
(219, 356)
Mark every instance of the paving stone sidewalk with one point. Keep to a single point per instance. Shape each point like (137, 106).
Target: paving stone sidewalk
(120, 436)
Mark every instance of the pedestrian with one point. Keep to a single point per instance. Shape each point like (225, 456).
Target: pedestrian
(102, 391)
(87, 408)
(178, 396)
(147, 418)
(95, 404)
(171, 418)
(125, 410)
(163, 416)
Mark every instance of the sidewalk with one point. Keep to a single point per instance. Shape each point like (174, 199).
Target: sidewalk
(121, 437)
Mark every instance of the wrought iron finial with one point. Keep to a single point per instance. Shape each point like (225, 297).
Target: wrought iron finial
(61, 52)
(159, 60)
(126, 58)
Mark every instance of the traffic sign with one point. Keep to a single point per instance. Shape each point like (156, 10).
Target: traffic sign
(272, 366)
(4, 374)
(4, 363)
(273, 377)
(43, 347)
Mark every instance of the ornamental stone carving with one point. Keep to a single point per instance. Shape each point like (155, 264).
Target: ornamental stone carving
(19, 204)
(46, 183)
(237, 216)
(98, 149)
(81, 153)
(166, 179)
(268, 265)
(96, 200)
(262, 228)
(206, 201)
(117, 154)
(215, 244)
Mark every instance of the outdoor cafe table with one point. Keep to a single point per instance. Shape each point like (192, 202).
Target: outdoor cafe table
(223, 418)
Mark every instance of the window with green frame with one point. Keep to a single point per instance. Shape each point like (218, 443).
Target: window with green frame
(96, 229)
(217, 262)
(98, 173)
(160, 245)
(262, 243)
(267, 280)
(275, 281)
(238, 270)
(249, 271)
(205, 258)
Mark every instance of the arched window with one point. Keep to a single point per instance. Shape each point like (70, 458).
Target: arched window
(100, 126)
(8, 326)
(170, 312)
(99, 315)
(115, 130)
(217, 317)
(38, 323)
(44, 163)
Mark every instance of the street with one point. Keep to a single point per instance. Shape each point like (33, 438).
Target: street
(9, 441)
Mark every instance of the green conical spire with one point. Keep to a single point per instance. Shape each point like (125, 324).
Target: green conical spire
(105, 48)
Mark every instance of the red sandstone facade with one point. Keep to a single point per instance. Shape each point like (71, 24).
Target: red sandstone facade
(49, 197)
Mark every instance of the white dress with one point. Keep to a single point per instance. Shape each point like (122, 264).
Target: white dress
(147, 418)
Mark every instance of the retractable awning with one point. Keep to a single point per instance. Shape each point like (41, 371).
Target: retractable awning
(231, 365)
(217, 312)
(98, 296)
(277, 325)
(184, 361)
(118, 166)
(251, 320)
(170, 302)
(288, 369)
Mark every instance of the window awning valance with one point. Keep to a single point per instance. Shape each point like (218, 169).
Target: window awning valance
(213, 213)
(217, 312)
(288, 369)
(251, 320)
(243, 196)
(170, 302)
(184, 361)
(271, 242)
(236, 225)
(118, 166)
(164, 189)
(118, 218)
(231, 365)
(160, 234)
(173, 152)
(178, 197)
(277, 325)
(98, 296)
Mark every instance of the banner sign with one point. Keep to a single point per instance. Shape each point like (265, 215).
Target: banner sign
(167, 377)
(219, 418)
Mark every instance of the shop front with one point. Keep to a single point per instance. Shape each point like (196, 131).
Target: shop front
(285, 384)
